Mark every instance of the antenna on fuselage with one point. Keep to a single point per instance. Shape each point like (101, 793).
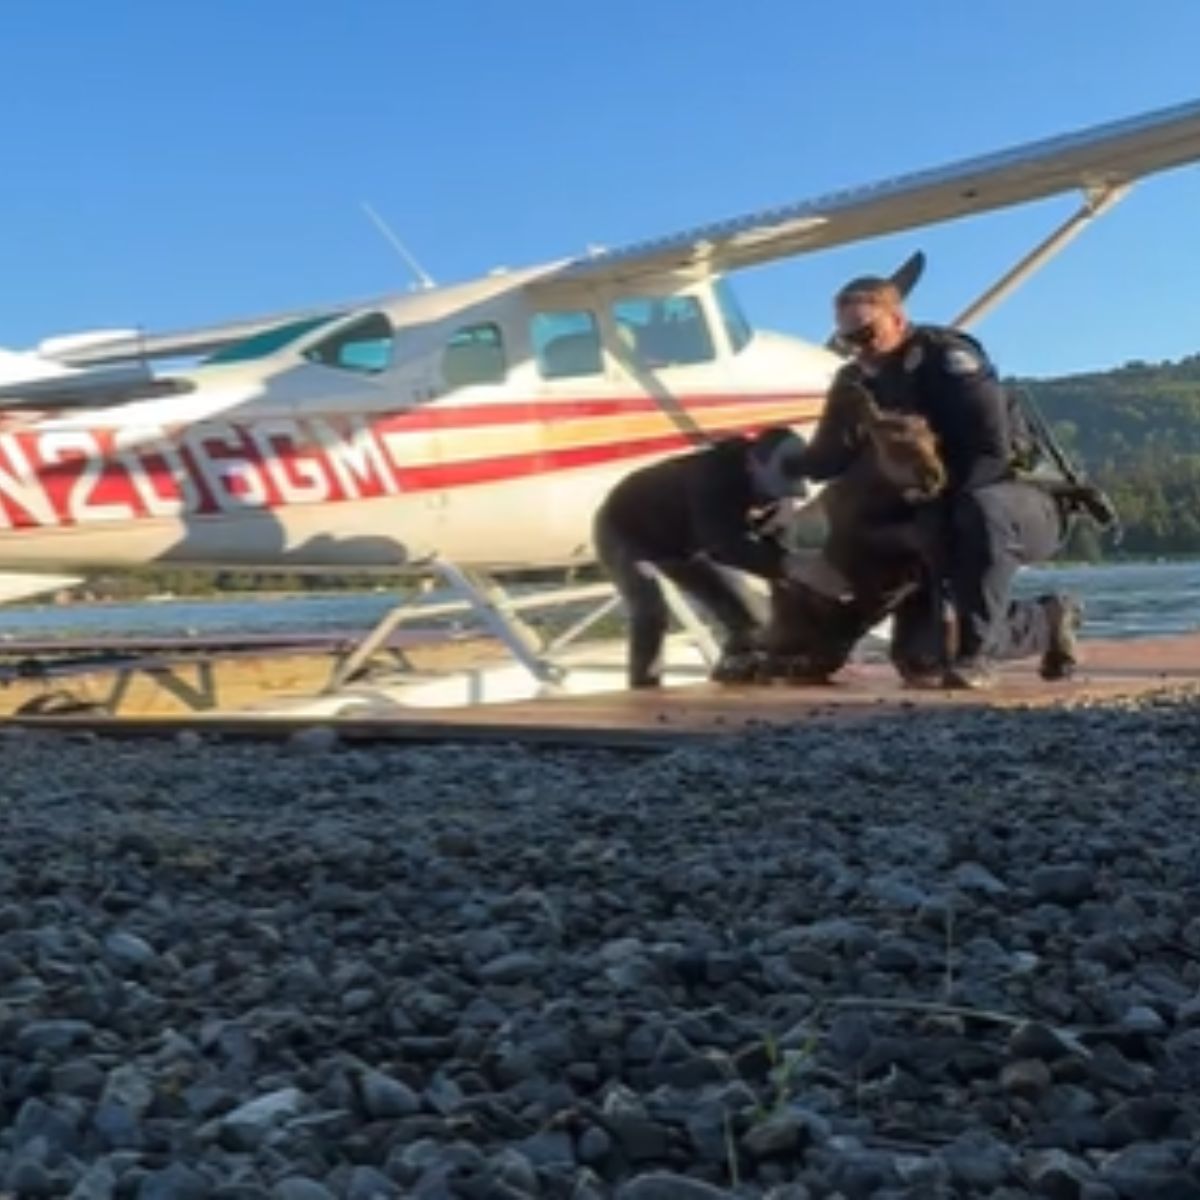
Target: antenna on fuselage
(424, 279)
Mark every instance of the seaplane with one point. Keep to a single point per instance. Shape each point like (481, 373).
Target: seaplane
(468, 432)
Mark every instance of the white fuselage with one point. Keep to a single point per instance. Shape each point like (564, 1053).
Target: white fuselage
(482, 425)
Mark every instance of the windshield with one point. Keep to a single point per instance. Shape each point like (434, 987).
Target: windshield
(365, 345)
(267, 342)
(736, 326)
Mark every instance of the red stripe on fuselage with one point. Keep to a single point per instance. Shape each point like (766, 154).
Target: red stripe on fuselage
(544, 462)
(548, 412)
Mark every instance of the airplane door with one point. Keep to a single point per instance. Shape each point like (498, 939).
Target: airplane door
(583, 420)
(666, 350)
(483, 427)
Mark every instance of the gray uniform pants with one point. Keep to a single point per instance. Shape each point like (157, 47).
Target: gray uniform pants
(994, 532)
(991, 533)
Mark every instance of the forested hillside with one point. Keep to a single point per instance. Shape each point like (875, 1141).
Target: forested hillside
(1136, 431)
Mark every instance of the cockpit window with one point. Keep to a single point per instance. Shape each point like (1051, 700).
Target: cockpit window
(474, 354)
(737, 328)
(668, 332)
(365, 345)
(566, 344)
(267, 342)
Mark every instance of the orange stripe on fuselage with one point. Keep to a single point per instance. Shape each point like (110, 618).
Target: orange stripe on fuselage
(465, 443)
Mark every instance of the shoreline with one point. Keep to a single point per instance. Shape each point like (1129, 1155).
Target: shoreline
(236, 595)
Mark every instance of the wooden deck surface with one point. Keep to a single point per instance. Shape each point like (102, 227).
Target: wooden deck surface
(1109, 670)
(648, 720)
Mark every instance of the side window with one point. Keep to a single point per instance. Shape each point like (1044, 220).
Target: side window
(365, 345)
(566, 344)
(661, 333)
(474, 354)
(736, 326)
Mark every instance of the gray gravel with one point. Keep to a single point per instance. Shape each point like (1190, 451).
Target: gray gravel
(949, 955)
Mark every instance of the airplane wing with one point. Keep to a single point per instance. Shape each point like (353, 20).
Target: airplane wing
(1095, 160)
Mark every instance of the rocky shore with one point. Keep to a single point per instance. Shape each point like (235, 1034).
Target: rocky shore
(949, 955)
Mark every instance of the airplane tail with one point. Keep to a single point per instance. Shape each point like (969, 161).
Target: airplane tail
(38, 378)
(21, 366)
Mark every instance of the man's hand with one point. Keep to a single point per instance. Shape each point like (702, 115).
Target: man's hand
(776, 521)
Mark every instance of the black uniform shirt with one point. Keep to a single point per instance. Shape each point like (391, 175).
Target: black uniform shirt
(944, 376)
(698, 503)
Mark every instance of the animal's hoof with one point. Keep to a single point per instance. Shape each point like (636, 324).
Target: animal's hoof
(742, 667)
(800, 670)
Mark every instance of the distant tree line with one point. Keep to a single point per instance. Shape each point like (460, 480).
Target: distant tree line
(1135, 430)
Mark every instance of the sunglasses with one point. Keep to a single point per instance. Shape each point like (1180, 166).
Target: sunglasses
(861, 338)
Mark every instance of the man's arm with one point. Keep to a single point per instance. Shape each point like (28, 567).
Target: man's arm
(969, 410)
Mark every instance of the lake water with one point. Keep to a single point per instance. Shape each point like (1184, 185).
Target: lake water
(1128, 601)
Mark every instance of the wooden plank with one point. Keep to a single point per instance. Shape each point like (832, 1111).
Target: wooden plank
(124, 646)
(657, 720)
(359, 730)
(1111, 670)
(177, 680)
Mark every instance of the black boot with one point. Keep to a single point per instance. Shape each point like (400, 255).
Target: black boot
(970, 673)
(1065, 616)
(921, 674)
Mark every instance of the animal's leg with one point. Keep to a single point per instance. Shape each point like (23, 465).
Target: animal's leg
(742, 652)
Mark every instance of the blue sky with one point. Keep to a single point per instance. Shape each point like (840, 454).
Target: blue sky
(169, 164)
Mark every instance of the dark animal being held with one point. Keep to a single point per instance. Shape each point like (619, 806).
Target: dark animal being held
(871, 509)
(883, 535)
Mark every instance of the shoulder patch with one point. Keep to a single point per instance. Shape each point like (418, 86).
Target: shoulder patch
(914, 358)
(960, 361)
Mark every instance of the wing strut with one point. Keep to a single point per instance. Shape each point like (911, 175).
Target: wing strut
(1096, 204)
